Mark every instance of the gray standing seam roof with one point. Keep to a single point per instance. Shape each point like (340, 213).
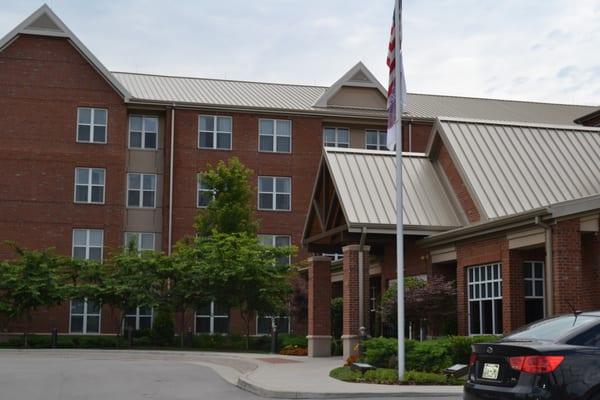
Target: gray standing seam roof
(366, 186)
(301, 98)
(515, 167)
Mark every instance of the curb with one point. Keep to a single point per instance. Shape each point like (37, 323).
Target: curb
(248, 386)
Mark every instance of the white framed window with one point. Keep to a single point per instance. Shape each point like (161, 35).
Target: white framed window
(336, 137)
(141, 190)
(142, 241)
(84, 316)
(143, 132)
(533, 273)
(375, 140)
(485, 299)
(275, 135)
(138, 318)
(264, 324)
(89, 185)
(274, 193)
(212, 318)
(88, 244)
(214, 132)
(91, 125)
(205, 193)
(278, 241)
(334, 256)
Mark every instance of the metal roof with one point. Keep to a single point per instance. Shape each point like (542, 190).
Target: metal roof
(512, 167)
(366, 186)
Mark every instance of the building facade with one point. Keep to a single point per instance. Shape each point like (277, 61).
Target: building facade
(94, 159)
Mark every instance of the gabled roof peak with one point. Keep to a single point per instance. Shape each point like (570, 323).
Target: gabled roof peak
(358, 76)
(44, 22)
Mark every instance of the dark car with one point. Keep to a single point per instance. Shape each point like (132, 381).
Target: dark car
(555, 358)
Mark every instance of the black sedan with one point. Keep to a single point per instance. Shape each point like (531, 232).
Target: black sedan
(555, 358)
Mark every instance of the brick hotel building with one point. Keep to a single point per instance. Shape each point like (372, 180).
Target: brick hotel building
(92, 159)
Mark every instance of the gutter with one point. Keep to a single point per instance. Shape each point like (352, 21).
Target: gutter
(361, 283)
(171, 168)
(548, 271)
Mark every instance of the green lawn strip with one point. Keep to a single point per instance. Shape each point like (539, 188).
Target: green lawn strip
(389, 376)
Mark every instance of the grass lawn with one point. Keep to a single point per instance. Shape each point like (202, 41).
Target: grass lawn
(389, 376)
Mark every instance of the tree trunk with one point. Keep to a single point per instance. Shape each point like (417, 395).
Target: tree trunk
(27, 321)
(246, 319)
(182, 330)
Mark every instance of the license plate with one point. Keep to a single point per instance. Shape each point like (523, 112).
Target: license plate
(490, 371)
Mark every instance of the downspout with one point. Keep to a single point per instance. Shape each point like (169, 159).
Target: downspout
(172, 158)
(361, 283)
(548, 272)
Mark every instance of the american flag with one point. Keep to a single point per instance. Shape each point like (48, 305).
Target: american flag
(393, 93)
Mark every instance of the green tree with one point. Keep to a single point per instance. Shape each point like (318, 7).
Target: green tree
(29, 282)
(230, 209)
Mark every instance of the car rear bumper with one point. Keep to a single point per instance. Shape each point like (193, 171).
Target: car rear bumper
(475, 391)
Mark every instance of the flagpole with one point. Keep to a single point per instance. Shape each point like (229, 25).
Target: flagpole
(399, 206)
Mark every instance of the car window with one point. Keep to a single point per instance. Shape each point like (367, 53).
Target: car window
(591, 337)
(551, 329)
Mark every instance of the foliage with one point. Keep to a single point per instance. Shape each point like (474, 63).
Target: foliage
(390, 376)
(30, 282)
(427, 356)
(298, 297)
(231, 209)
(163, 331)
(286, 339)
(291, 350)
(433, 299)
(337, 316)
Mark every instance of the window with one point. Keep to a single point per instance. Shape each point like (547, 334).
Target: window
(138, 318)
(140, 240)
(141, 190)
(274, 193)
(533, 271)
(85, 316)
(485, 299)
(143, 132)
(264, 324)
(277, 241)
(88, 244)
(375, 140)
(214, 132)
(89, 185)
(212, 319)
(91, 125)
(205, 193)
(334, 256)
(336, 137)
(275, 135)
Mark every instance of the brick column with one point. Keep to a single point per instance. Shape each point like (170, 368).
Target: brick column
(567, 265)
(319, 306)
(513, 290)
(351, 296)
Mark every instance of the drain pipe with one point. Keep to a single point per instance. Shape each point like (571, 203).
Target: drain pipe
(548, 272)
(172, 158)
(361, 283)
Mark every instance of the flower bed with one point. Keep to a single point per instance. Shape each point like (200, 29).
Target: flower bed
(389, 376)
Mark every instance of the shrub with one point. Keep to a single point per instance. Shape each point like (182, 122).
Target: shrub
(292, 340)
(293, 351)
(423, 378)
(390, 376)
(379, 351)
(381, 375)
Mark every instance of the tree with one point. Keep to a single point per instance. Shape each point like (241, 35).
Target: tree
(230, 209)
(433, 299)
(30, 282)
(241, 272)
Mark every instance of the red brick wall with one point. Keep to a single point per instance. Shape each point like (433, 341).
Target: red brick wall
(590, 243)
(421, 131)
(458, 186)
(42, 82)
(319, 296)
(567, 260)
(351, 299)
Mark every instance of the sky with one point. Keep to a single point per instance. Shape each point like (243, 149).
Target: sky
(538, 50)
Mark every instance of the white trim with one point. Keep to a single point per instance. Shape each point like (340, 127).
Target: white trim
(275, 136)
(273, 240)
(480, 286)
(143, 132)
(215, 132)
(272, 317)
(380, 145)
(88, 245)
(90, 185)
(84, 315)
(199, 189)
(139, 240)
(336, 143)
(212, 316)
(92, 124)
(137, 317)
(141, 190)
(274, 193)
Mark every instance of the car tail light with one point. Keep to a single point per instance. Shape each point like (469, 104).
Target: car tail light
(535, 364)
(472, 359)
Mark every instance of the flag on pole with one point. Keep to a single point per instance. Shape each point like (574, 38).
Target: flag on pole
(393, 93)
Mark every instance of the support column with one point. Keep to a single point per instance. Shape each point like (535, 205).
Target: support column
(567, 264)
(513, 290)
(319, 306)
(351, 296)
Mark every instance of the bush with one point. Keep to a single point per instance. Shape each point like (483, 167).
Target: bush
(423, 378)
(380, 351)
(390, 376)
(381, 375)
(287, 339)
(163, 331)
(293, 351)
